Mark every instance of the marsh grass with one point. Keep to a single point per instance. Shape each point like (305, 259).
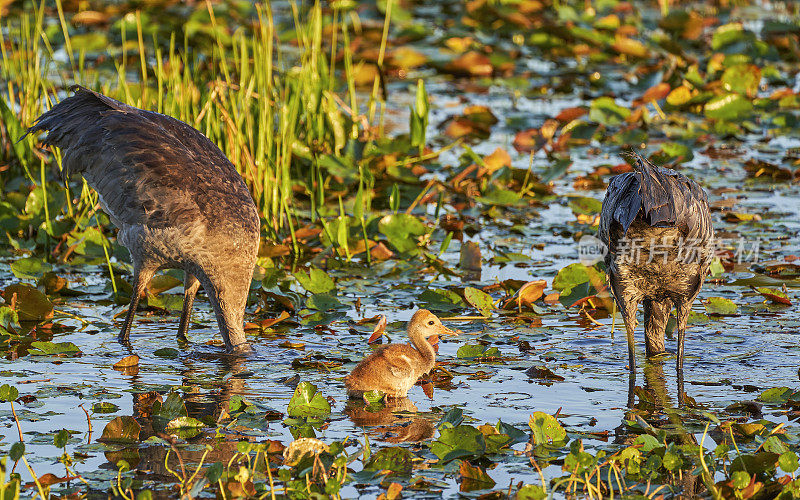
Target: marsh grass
(276, 109)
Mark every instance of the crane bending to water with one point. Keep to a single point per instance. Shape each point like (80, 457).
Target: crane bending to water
(657, 228)
(177, 200)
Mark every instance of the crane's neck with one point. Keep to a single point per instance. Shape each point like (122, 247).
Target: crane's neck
(425, 349)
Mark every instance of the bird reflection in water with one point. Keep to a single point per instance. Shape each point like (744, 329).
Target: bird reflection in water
(395, 422)
(209, 403)
(657, 408)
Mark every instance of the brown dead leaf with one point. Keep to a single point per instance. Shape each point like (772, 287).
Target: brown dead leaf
(126, 362)
(381, 252)
(471, 63)
(470, 259)
(526, 141)
(89, 18)
(654, 93)
(528, 293)
(378, 331)
(497, 160)
(551, 298)
(569, 114)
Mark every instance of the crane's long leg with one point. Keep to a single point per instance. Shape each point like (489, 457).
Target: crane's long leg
(190, 287)
(141, 277)
(682, 309)
(627, 307)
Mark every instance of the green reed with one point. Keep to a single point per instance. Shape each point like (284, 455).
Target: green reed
(264, 103)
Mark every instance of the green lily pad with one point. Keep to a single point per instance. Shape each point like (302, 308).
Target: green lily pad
(30, 268)
(53, 349)
(395, 459)
(472, 351)
(307, 402)
(728, 107)
(546, 429)
(482, 301)
(315, 281)
(402, 231)
(456, 442)
(720, 306)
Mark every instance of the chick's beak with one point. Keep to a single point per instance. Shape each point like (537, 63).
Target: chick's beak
(443, 330)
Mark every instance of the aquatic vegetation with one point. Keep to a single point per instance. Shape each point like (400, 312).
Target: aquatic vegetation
(408, 155)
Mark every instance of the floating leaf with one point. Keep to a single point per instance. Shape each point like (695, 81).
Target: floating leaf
(742, 79)
(395, 459)
(315, 281)
(471, 351)
(480, 300)
(121, 430)
(402, 231)
(29, 302)
(542, 372)
(775, 295)
(474, 478)
(126, 362)
(606, 111)
(585, 205)
(167, 352)
(104, 407)
(458, 442)
(53, 349)
(546, 429)
(570, 277)
(720, 306)
(307, 402)
(775, 395)
(30, 268)
(788, 462)
(470, 64)
(728, 107)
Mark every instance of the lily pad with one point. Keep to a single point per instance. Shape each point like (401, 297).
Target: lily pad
(546, 429)
(121, 430)
(307, 402)
(482, 301)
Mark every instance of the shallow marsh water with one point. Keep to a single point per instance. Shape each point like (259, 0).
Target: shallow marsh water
(729, 359)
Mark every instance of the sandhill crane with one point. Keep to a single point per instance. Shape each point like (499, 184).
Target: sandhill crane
(177, 200)
(657, 228)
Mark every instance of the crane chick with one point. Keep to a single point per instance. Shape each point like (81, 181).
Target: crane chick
(657, 229)
(395, 368)
(177, 200)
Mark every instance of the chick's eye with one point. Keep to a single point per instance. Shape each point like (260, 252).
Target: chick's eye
(430, 322)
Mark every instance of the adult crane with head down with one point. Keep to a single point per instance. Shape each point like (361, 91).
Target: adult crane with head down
(657, 229)
(177, 200)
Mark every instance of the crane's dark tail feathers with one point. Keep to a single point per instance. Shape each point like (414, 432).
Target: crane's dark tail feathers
(72, 123)
(656, 193)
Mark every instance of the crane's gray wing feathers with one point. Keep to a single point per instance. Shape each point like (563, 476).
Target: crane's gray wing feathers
(148, 168)
(660, 197)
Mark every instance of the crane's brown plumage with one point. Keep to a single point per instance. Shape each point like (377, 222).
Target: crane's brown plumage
(177, 200)
(656, 225)
(395, 368)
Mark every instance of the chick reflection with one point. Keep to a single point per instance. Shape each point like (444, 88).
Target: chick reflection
(394, 422)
